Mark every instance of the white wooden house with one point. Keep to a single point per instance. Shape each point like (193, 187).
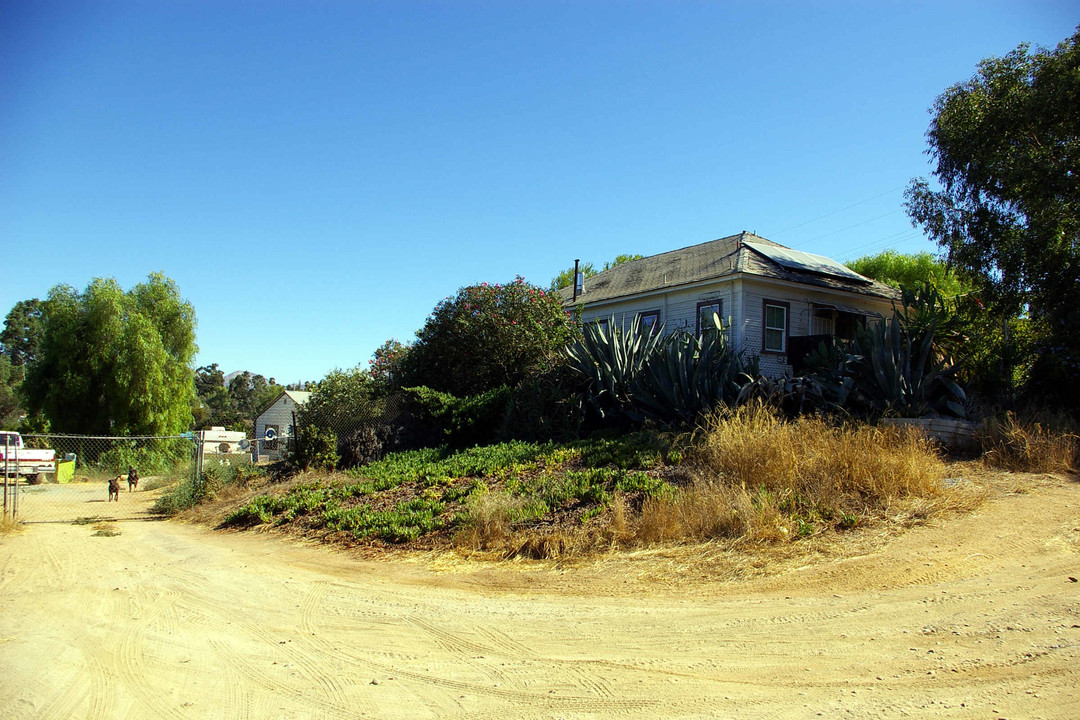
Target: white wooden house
(274, 425)
(779, 301)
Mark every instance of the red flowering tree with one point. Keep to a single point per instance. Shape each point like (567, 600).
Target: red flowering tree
(487, 336)
(387, 365)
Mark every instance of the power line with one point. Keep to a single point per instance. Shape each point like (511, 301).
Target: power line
(849, 227)
(834, 212)
(899, 238)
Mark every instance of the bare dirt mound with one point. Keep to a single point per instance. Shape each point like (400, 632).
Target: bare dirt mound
(972, 615)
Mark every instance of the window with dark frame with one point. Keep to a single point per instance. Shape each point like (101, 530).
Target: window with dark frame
(650, 320)
(602, 323)
(705, 312)
(775, 327)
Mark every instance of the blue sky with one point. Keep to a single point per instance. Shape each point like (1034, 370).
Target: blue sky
(316, 176)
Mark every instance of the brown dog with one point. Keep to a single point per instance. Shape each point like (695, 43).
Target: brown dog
(133, 479)
(114, 488)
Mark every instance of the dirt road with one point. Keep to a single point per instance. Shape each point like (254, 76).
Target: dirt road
(972, 616)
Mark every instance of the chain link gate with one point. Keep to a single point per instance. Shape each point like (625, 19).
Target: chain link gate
(85, 466)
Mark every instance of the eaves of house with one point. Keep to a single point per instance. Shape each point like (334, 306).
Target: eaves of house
(742, 255)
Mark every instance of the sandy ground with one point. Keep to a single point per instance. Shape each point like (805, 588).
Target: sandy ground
(970, 616)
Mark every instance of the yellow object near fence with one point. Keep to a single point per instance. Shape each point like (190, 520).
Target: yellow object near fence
(65, 471)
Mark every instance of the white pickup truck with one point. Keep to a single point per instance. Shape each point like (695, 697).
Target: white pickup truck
(17, 459)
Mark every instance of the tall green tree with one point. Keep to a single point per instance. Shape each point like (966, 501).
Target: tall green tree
(1007, 207)
(587, 269)
(487, 336)
(249, 393)
(910, 270)
(342, 400)
(620, 259)
(213, 405)
(10, 380)
(115, 362)
(566, 277)
(21, 335)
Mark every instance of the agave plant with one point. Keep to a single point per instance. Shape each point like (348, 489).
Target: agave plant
(689, 375)
(611, 358)
(925, 310)
(902, 373)
(891, 369)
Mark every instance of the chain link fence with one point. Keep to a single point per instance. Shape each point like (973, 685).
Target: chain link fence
(102, 478)
(360, 432)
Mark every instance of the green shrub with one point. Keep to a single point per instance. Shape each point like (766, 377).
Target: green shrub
(314, 448)
(487, 336)
(890, 369)
(189, 492)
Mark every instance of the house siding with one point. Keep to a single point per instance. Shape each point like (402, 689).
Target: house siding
(743, 300)
(280, 413)
(800, 301)
(678, 308)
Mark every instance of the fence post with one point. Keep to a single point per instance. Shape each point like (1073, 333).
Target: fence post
(200, 438)
(7, 461)
(15, 492)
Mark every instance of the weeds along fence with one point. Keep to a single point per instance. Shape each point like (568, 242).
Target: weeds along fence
(79, 488)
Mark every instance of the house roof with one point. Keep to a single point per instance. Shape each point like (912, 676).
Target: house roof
(297, 396)
(744, 253)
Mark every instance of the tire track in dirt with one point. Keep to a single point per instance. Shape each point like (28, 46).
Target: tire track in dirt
(450, 642)
(9, 572)
(102, 693)
(467, 652)
(130, 656)
(257, 674)
(573, 702)
(496, 690)
(54, 574)
(771, 623)
(238, 701)
(325, 689)
(310, 605)
(63, 706)
(504, 642)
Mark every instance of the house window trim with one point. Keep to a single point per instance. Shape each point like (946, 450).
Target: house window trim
(656, 324)
(718, 302)
(765, 328)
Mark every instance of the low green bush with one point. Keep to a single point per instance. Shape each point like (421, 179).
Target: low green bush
(189, 491)
(534, 481)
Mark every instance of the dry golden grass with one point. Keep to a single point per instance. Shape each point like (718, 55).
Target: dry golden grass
(490, 517)
(755, 478)
(764, 479)
(1029, 446)
(8, 526)
(849, 465)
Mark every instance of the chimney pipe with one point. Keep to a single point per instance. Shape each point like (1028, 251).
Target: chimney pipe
(577, 279)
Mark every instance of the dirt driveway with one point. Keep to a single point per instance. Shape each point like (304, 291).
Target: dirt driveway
(973, 616)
